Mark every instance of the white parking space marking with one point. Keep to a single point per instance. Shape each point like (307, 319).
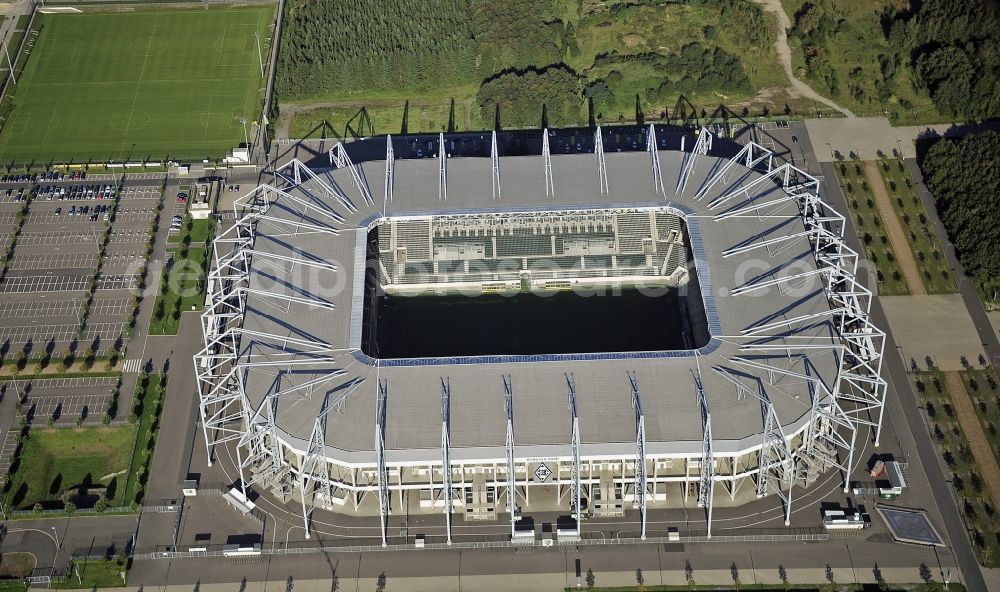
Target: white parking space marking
(110, 307)
(123, 259)
(116, 282)
(29, 261)
(60, 332)
(130, 235)
(30, 309)
(58, 237)
(7, 452)
(65, 409)
(43, 283)
(35, 308)
(58, 383)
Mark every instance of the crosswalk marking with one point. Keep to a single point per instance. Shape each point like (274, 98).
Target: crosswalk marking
(132, 365)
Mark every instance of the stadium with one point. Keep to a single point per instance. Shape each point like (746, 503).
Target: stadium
(570, 331)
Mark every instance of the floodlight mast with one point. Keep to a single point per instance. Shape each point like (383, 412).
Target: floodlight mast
(260, 56)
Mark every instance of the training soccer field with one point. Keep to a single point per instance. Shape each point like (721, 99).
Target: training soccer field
(132, 86)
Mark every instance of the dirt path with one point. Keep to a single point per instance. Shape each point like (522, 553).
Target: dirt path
(785, 55)
(967, 417)
(894, 228)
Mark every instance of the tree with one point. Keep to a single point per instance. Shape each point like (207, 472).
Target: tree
(969, 208)
(101, 506)
(590, 579)
(69, 507)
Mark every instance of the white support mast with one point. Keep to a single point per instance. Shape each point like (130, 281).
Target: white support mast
(654, 153)
(702, 146)
(856, 399)
(315, 470)
(495, 157)
(446, 451)
(776, 464)
(383, 473)
(577, 510)
(706, 485)
(511, 491)
(340, 159)
(550, 188)
(442, 169)
(640, 452)
(390, 177)
(602, 170)
(749, 157)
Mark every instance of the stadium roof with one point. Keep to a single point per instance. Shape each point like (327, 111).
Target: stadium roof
(328, 373)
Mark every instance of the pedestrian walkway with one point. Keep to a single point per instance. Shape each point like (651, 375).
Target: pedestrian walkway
(969, 420)
(897, 235)
(556, 582)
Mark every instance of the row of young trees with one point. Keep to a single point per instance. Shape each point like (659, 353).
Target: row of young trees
(964, 177)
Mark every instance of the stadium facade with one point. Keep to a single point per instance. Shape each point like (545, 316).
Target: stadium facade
(770, 377)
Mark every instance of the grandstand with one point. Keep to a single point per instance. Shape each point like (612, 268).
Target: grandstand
(773, 377)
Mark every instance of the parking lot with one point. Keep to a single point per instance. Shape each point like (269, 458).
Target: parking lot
(64, 399)
(56, 257)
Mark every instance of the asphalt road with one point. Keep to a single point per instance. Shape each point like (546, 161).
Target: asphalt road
(902, 403)
(987, 336)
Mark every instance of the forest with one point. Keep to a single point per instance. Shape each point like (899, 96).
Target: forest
(873, 54)
(526, 55)
(964, 178)
(344, 48)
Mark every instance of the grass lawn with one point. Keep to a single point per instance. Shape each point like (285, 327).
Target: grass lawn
(199, 232)
(93, 575)
(978, 510)
(185, 292)
(878, 250)
(146, 407)
(16, 565)
(423, 116)
(182, 286)
(131, 86)
(923, 242)
(983, 387)
(55, 460)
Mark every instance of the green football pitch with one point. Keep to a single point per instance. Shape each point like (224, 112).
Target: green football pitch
(133, 86)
